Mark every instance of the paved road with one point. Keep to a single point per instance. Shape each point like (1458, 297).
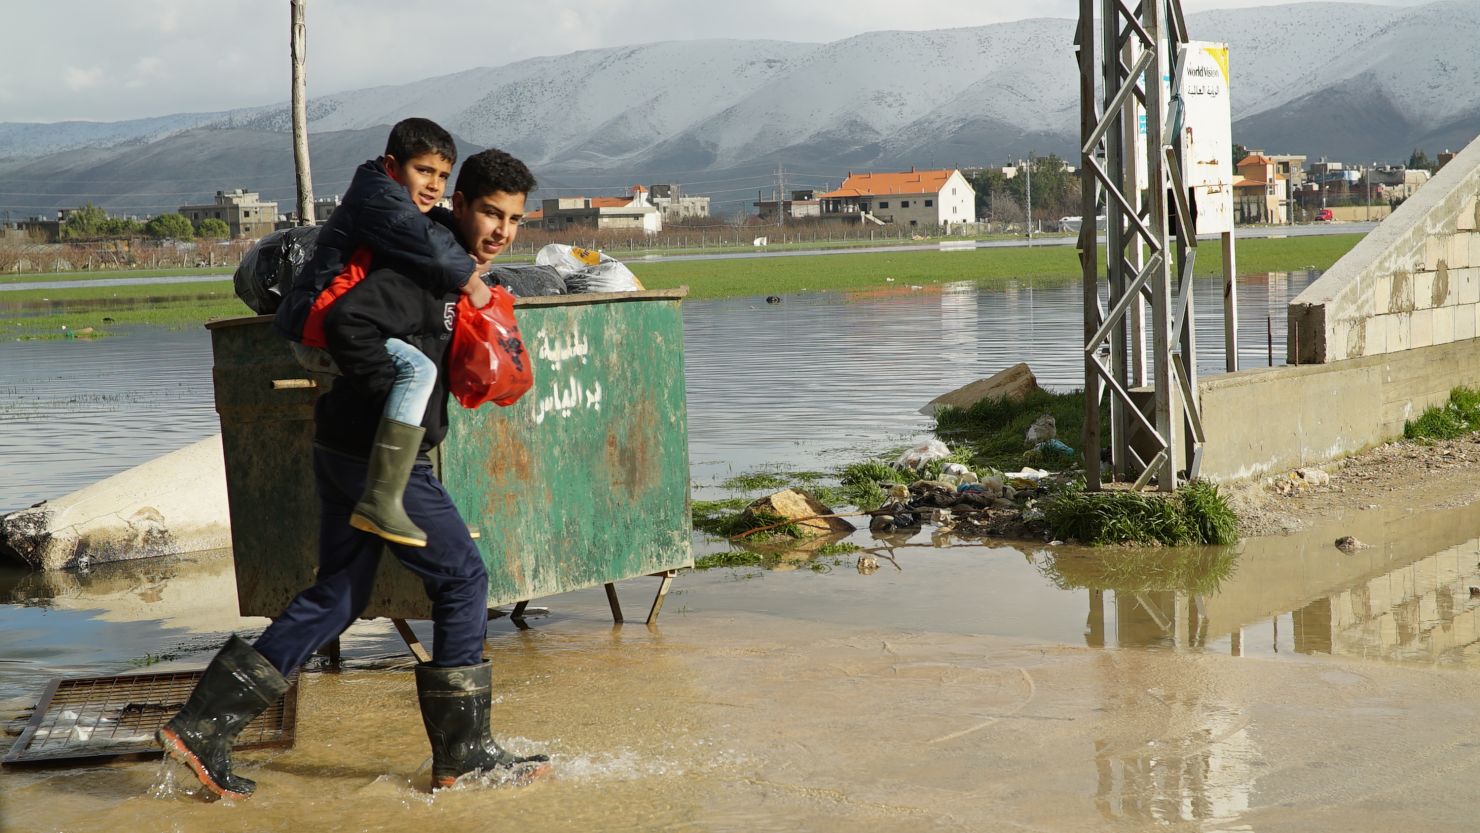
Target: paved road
(962, 245)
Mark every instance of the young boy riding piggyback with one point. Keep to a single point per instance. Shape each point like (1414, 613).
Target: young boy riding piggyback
(394, 301)
(389, 211)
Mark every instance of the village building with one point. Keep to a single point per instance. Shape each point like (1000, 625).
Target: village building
(1260, 192)
(244, 212)
(803, 204)
(635, 212)
(677, 206)
(910, 198)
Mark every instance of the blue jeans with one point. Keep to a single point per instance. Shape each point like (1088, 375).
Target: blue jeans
(450, 567)
(416, 376)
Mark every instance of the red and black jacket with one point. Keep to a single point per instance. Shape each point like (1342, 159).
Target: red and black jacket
(376, 214)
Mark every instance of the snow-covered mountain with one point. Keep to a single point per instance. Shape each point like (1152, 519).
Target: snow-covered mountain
(1344, 80)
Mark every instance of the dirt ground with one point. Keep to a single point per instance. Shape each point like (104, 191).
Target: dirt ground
(1428, 475)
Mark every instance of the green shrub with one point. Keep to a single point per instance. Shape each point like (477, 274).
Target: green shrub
(993, 432)
(1194, 514)
(1209, 513)
(1455, 418)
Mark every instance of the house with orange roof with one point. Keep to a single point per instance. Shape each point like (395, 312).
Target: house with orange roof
(1260, 192)
(911, 198)
(634, 211)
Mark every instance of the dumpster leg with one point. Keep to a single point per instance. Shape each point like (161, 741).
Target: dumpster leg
(412, 641)
(667, 576)
(611, 599)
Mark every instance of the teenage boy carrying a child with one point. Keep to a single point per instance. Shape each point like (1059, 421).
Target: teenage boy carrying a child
(394, 301)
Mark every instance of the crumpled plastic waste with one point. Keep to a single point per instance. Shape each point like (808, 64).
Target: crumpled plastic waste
(917, 457)
(587, 270)
(1054, 447)
(272, 264)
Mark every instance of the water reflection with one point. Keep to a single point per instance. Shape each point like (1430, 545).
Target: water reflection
(1408, 599)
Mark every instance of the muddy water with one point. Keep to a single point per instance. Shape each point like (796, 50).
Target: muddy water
(958, 688)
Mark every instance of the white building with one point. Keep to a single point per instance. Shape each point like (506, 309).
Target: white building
(677, 206)
(912, 198)
(633, 212)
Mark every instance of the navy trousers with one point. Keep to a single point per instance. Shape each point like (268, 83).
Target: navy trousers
(449, 566)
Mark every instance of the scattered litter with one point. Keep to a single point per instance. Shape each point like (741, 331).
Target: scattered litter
(1054, 448)
(1043, 429)
(916, 458)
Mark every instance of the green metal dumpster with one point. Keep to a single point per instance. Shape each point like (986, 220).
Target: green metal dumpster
(584, 481)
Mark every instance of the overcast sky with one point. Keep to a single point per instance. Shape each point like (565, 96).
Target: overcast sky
(108, 60)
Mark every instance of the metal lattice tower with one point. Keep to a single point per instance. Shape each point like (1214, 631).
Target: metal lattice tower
(1150, 246)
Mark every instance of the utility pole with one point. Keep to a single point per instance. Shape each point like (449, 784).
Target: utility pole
(1030, 199)
(781, 195)
(1367, 175)
(299, 52)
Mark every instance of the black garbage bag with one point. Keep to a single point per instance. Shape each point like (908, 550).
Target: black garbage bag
(526, 280)
(273, 264)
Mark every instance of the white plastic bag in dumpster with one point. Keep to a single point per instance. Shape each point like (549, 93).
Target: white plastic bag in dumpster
(587, 270)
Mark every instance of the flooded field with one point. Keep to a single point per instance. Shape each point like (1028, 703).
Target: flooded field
(853, 367)
(1277, 685)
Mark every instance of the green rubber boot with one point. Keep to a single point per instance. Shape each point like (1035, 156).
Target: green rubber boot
(238, 685)
(455, 706)
(391, 458)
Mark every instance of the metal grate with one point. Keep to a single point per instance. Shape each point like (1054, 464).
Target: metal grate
(116, 717)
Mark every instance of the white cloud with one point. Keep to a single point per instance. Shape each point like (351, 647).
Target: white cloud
(79, 78)
(206, 56)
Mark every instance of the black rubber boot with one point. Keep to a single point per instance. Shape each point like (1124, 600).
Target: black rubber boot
(455, 705)
(391, 458)
(238, 685)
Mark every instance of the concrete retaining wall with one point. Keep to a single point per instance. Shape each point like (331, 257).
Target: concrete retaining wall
(1275, 419)
(1413, 282)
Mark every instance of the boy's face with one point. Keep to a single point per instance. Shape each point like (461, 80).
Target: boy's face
(489, 223)
(425, 177)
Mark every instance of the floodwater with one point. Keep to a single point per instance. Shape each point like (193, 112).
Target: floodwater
(853, 368)
(1279, 685)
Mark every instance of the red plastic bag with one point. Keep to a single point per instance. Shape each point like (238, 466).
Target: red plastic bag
(487, 360)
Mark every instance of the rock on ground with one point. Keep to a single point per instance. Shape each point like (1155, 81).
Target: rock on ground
(796, 505)
(1013, 384)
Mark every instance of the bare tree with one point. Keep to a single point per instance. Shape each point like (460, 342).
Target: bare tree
(299, 51)
(1004, 210)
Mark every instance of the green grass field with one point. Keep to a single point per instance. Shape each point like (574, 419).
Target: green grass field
(787, 275)
(42, 313)
(50, 277)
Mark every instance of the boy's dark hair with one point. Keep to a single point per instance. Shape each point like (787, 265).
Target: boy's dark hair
(415, 137)
(489, 171)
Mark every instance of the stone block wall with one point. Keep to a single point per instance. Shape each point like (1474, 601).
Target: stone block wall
(1413, 282)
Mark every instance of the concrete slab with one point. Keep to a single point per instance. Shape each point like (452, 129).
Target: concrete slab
(171, 505)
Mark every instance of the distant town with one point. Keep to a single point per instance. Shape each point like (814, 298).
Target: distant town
(1041, 193)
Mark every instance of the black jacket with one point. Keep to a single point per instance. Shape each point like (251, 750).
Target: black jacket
(377, 212)
(386, 304)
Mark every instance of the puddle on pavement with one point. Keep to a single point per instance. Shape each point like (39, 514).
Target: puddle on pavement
(964, 687)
